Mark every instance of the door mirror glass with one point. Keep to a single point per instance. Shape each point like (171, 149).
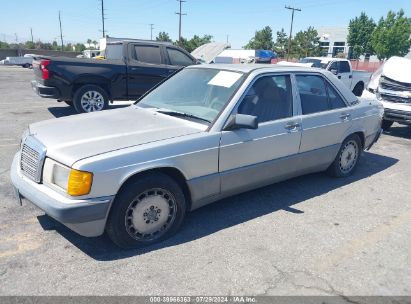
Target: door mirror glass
(334, 71)
(241, 121)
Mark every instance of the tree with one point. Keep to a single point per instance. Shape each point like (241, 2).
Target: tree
(193, 43)
(280, 45)
(30, 45)
(391, 37)
(79, 47)
(262, 40)
(163, 36)
(4, 45)
(360, 30)
(306, 43)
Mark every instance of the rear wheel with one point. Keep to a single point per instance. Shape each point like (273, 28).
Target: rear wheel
(386, 124)
(150, 209)
(90, 98)
(347, 158)
(358, 89)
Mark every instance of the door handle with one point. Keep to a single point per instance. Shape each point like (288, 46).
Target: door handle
(339, 76)
(292, 126)
(345, 116)
(350, 76)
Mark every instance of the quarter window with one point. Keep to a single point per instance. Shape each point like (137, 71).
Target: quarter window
(148, 54)
(316, 95)
(178, 58)
(335, 99)
(269, 98)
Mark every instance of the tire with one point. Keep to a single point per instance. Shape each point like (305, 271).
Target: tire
(386, 124)
(358, 89)
(139, 214)
(345, 162)
(90, 98)
(26, 65)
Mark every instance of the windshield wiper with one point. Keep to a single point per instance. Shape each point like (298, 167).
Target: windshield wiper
(182, 114)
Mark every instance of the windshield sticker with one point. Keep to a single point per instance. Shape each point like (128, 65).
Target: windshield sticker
(224, 79)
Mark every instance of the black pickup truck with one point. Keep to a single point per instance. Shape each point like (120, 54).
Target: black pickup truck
(90, 84)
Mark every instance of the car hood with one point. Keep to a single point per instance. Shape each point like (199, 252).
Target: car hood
(398, 69)
(72, 138)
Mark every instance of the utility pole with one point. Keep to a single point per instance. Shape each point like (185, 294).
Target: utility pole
(291, 28)
(151, 29)
(15, 35)
(61, 34)
(179, 23)
(102, 17)
(31, 33)
(227, 39)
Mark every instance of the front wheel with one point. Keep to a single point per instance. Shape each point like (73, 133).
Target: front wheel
(90, 98)
(347, 158)
(150, 209)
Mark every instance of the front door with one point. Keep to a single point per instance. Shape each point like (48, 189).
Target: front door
(252, 158)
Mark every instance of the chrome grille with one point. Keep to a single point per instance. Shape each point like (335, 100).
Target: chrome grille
(31, 158)
(389, 84)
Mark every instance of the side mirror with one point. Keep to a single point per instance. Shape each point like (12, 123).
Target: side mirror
(241, 121)
(334, 71)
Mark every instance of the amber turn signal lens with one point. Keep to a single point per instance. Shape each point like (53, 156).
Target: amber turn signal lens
(79, 182)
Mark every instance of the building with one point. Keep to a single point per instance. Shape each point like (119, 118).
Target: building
(333, 39)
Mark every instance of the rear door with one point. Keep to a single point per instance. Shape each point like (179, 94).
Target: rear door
(146, 68)
(325, 119)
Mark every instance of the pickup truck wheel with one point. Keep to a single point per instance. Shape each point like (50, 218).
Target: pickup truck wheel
(347, 158)
(386, 124)
(150, 209)
(90, 98)
(358, 89)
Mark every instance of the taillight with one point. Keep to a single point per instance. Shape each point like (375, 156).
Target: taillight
(43, 68)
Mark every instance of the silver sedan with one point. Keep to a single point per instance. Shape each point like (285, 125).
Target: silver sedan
(206, 133)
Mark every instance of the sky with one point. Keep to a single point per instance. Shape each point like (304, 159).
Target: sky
(239, 19)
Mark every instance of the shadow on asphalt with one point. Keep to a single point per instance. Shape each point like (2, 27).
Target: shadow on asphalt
(231, 211)
(399, 131)
(68, 110)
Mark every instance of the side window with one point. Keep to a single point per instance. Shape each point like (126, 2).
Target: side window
(313, 94)
(333, 66)
(148, 54)
(269, 98)
(335, 99)
(178, 58)
(344, 67)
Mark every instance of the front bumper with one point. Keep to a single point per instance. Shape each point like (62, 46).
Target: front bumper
(44, 91)
(86, 217)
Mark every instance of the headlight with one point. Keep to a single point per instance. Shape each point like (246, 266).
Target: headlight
(74, 182)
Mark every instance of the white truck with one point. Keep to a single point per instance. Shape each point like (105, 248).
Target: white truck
(356, 81)
(25, 62)
(391, 85)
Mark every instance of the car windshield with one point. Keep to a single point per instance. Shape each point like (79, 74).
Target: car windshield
(316, 62)
(194, 93)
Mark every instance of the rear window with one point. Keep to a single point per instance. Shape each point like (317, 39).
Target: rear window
(148, 54)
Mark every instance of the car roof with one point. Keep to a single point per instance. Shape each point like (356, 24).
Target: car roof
(248, 68)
